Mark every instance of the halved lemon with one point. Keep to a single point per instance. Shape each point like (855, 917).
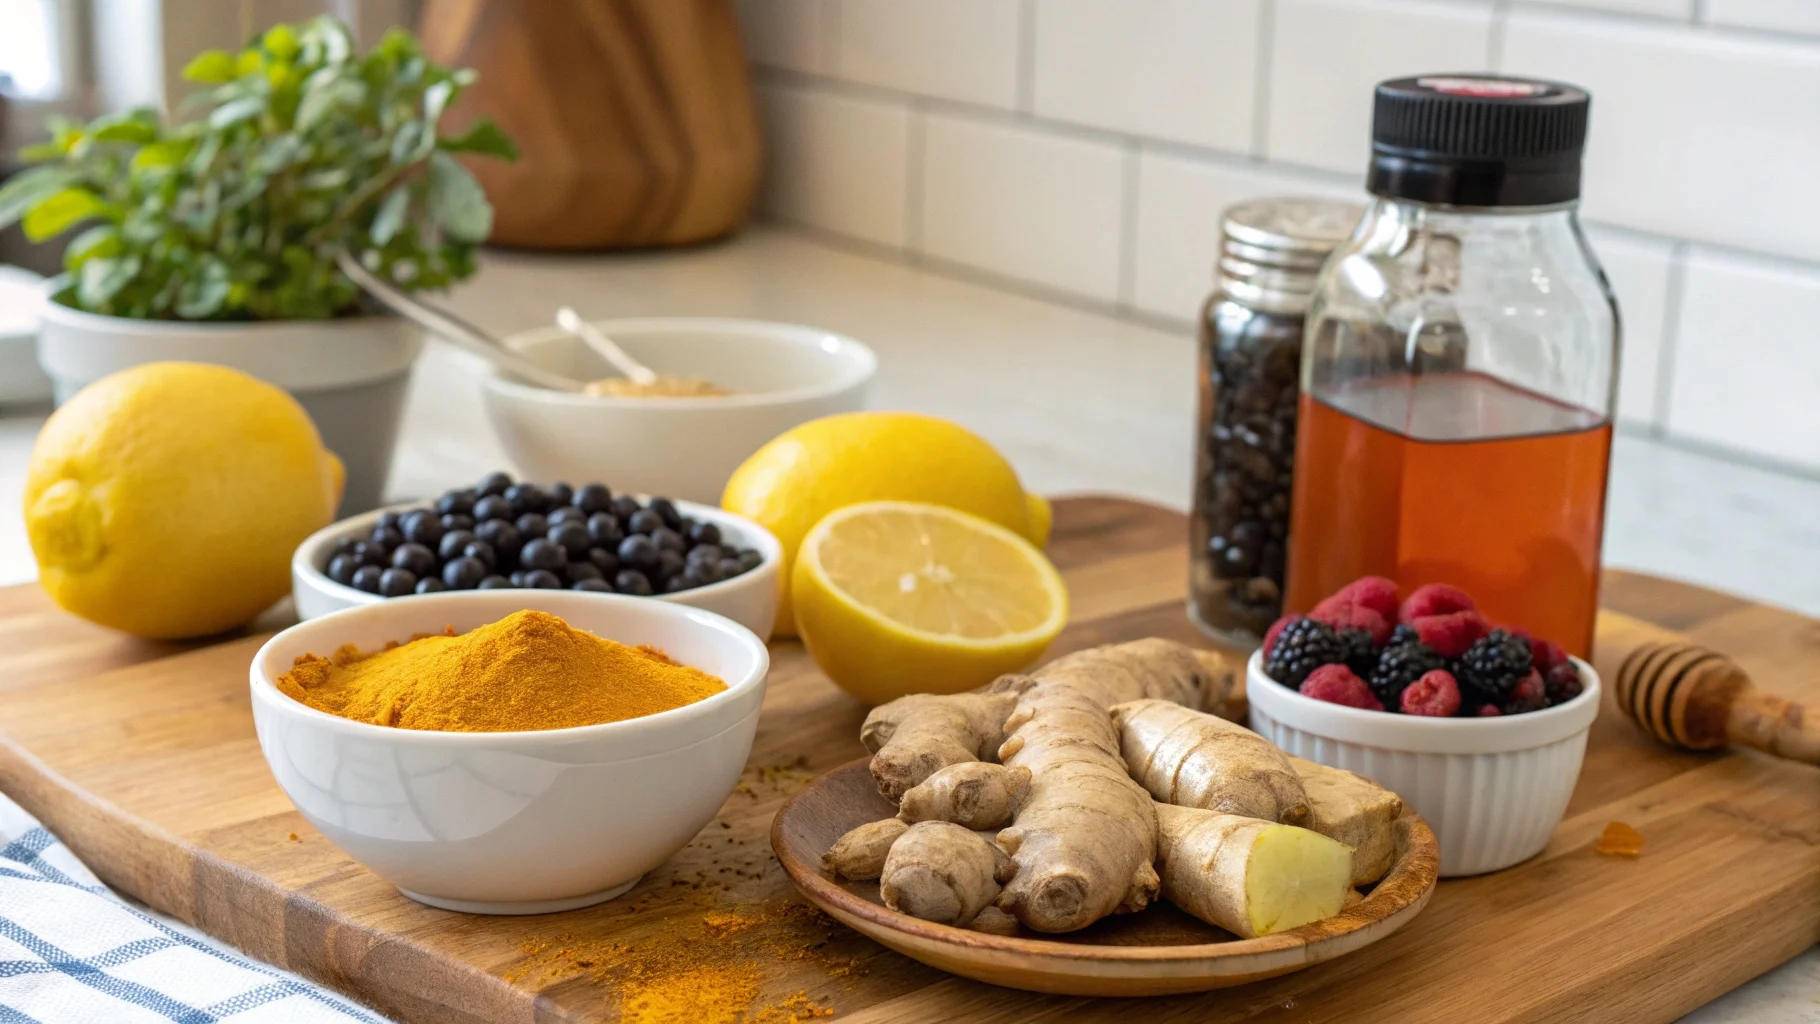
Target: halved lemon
(898, 597)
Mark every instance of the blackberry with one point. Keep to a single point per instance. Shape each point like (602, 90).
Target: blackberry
(1492, 667)
(1357, 650)
(1400, 665)
(1303, 646)
(1403, 634)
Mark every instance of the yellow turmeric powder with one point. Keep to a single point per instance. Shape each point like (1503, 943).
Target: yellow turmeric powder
(529, 670)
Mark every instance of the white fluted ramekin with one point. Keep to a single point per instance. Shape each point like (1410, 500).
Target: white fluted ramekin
(1493, 789)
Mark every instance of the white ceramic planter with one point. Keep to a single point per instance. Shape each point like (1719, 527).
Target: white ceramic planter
(1493, 789)
(21, 296)
(350, 375)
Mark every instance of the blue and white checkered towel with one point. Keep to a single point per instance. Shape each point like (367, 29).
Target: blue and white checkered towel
(72, 952)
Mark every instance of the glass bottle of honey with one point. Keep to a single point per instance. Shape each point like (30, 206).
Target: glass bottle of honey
(1459, 371)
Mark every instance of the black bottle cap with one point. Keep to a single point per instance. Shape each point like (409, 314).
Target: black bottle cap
(1477, 140)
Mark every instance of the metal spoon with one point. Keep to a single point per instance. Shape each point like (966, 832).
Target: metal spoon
(452, 328)
(603, 346)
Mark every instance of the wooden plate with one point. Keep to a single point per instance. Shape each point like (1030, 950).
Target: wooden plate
(1156, 952)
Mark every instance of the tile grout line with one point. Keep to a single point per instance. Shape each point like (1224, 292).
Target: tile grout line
(1698, 20)
(1260, 100)
(1675, 303)
(1130, 170)
(1026, 57)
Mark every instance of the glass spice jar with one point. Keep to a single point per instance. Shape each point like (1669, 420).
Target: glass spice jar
(1251, 357)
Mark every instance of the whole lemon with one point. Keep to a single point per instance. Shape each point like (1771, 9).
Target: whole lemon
(165, 500)
(810, 470)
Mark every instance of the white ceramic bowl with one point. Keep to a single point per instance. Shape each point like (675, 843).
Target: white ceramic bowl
(784, 374)
(1493, 789)
(749, 599)
(515, 822)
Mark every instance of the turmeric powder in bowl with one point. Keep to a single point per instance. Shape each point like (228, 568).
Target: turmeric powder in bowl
(528, 671)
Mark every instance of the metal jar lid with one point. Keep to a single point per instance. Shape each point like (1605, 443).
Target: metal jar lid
(1271, 249)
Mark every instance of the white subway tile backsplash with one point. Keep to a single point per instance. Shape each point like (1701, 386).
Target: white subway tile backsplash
(1178, 69)
(1746, 365)
(1016, 201)
(1180, 200)
(1706, 128)
(963, 50)
(1682, 9)
(787, 34)
(1327, 55)
(836, 162)
(1639, 271)
(1775, 15)
(1698, 134)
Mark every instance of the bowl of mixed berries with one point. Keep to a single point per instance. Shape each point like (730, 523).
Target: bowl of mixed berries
(1480, 726)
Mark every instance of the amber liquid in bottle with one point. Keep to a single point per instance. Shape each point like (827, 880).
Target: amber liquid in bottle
(1382, 487)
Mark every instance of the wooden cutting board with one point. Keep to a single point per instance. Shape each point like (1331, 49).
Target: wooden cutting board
(142, 757)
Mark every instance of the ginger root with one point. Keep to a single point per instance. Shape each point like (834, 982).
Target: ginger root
(994, 921)
(1191, 759)
(860, 854)
(973, 794)
(1355, 811)
(1085, 836)
(1248, 876)
(941, 872)
(913, 737)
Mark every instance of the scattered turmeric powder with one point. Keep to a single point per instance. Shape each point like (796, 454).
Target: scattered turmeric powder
(710, 994)
(712, 977)
(1619, 840)
(530, 670)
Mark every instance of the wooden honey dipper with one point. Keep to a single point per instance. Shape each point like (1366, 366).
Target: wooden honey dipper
(1694, 697)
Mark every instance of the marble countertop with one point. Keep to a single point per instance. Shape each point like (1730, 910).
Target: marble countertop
(1077, 400)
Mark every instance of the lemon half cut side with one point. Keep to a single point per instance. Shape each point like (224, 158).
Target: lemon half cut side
(899, 597)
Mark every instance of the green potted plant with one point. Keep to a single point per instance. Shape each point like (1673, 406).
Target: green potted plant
(214, 238)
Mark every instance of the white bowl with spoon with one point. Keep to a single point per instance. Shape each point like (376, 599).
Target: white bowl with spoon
(779, 375)
(703, 392)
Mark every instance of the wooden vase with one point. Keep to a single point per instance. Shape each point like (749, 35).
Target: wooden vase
(633, 118)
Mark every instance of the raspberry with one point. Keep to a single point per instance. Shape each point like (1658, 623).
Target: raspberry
(1337, 684)
(1374, 592)
(1341, 612)
(1435, 695)
(1563, 683)
(1435, 599)
(1546, 654)
(1276, 628)
(1528, 695)
(1488, 711)
(1301, 647)
(1451, 634)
